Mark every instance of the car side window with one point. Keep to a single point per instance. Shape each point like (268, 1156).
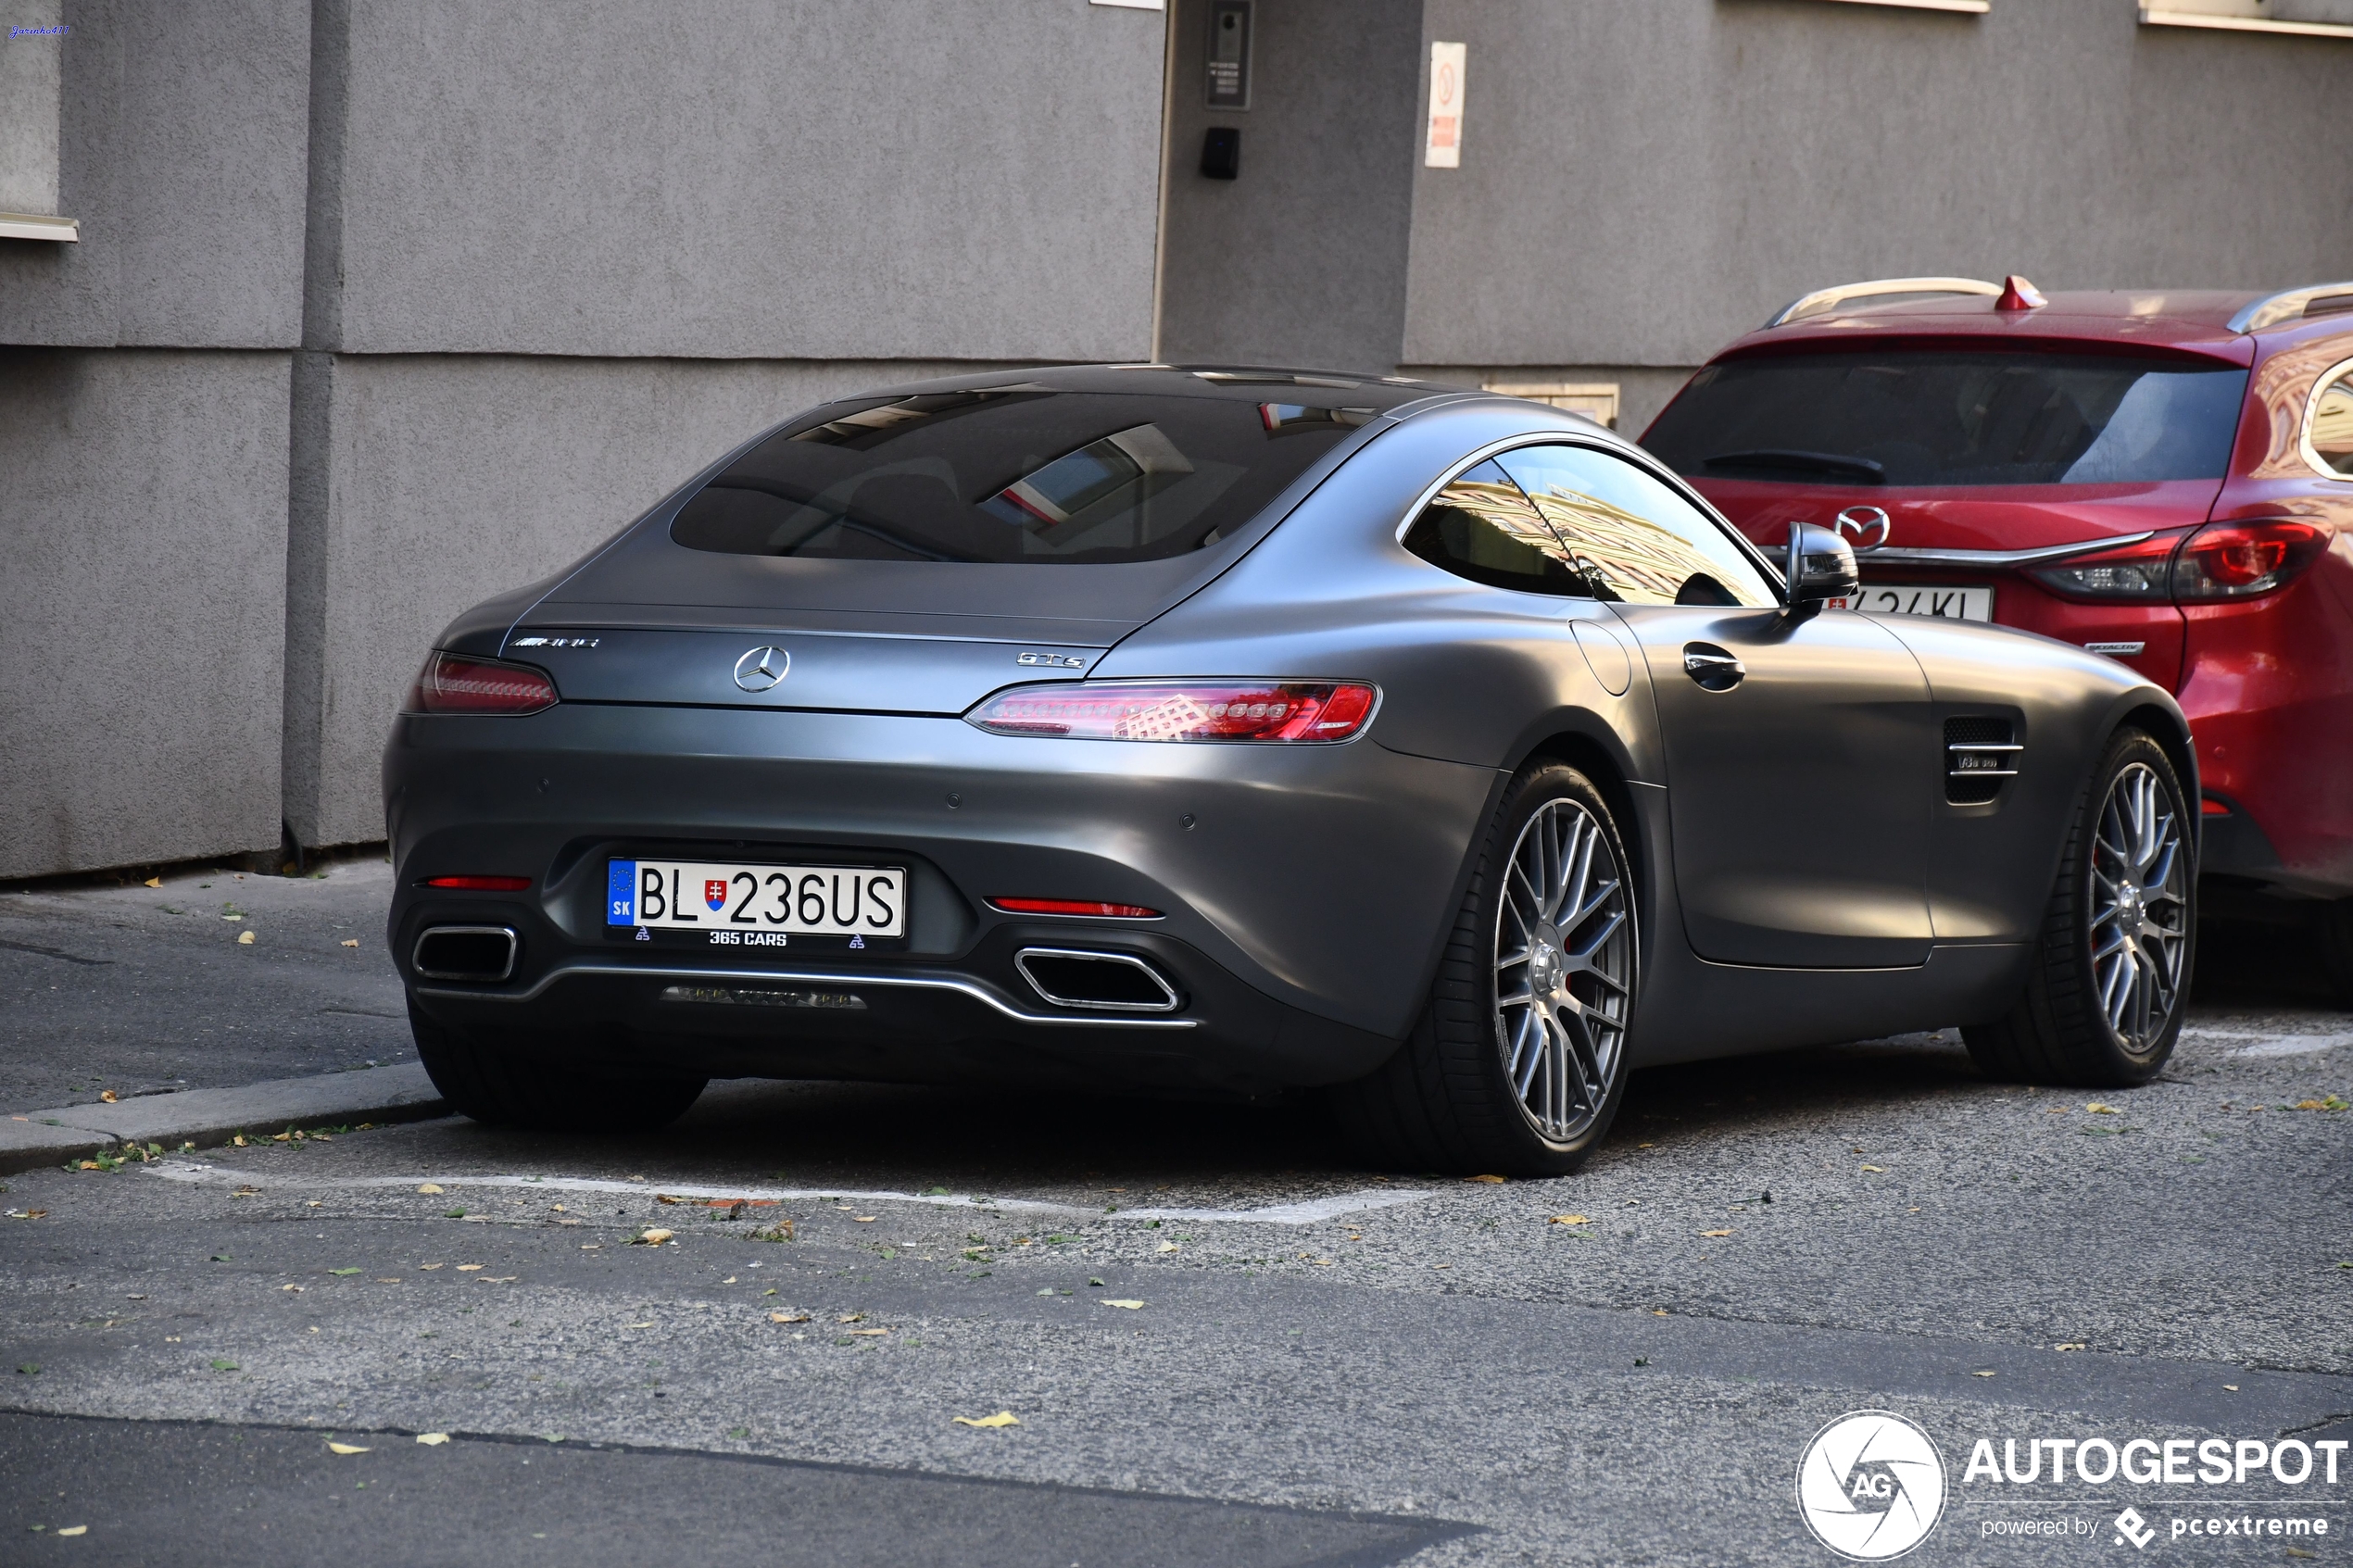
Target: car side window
(1482, 527)
(2331, 432)
(1635, 537)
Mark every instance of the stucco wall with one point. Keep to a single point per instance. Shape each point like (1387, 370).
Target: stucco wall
(1639, 183)
(1302, 261)
(143, 531)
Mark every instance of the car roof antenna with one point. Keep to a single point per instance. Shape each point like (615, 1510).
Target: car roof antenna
(2020, 295)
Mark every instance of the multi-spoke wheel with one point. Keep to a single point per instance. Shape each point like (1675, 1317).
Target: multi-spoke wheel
(2110, 973)
(1519, 1061)
(1564, 969)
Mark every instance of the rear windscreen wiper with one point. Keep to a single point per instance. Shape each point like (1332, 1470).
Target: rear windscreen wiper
(1776, 459)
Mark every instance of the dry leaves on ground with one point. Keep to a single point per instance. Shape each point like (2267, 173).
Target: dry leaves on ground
(347, 1449)
(432, 1440)
(1715, 1233)
(1571, 1219)
(653, 1237)
(1002, 1418)
(1130, 1305)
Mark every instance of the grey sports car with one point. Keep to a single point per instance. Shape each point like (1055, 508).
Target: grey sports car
(1237, 730)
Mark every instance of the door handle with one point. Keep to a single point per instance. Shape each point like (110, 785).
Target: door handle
(1714, 670)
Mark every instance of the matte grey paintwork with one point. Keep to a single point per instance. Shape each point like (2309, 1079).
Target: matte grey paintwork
(1796, 825)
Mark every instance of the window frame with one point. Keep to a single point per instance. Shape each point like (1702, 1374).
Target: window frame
(1774, 578)
(2340, 373)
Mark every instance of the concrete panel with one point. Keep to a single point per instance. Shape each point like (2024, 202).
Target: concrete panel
(449, 479)
(791, 179)
(143, 527)
(182, 148)
(31, 37)
(1640, 183)
(1302, 261)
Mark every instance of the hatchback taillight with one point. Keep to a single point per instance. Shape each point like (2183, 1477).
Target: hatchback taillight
(2137, 571)
(1180, 710)
(2238, 560)
(453, 684)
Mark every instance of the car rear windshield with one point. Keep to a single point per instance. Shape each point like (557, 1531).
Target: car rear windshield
(1953, 417)
(1011, 474)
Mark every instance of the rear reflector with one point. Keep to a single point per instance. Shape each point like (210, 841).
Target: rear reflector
(1073, 907)
(1180, 710)
(480, 883)
(453, 683)
(2213, 808)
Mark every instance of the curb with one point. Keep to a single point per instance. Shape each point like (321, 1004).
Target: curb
(377, 1094)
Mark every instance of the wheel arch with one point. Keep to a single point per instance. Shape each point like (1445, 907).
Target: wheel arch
(1608, 769)
(2163, 723)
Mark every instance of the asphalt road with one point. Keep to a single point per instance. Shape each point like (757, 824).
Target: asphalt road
(1314, 1363)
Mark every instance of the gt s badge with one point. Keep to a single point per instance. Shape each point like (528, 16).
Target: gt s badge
(1052, 660)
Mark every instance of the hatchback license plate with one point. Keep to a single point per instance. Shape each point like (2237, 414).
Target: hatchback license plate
(1921, 598)
(858, 901)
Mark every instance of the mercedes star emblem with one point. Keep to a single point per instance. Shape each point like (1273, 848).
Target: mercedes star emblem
(1867, 526)
(761, 667)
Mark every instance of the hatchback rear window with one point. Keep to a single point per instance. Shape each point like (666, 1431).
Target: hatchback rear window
(1953, 417)
(1011, 474)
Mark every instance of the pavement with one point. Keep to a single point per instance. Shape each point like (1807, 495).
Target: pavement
(1216, 1339)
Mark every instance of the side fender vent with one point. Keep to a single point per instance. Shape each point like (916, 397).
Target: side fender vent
(1980, 753)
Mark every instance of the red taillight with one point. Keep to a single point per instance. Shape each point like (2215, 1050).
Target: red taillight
(480, 883)
(2211, 806)
(2237, 561)
(1073, 907)
(2137, 571)
(452, 683)
(1180, 710)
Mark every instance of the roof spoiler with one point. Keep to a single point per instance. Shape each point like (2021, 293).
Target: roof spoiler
(2290, 304)
(1822, 300)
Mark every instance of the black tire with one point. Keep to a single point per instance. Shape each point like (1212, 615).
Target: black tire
(1447, 1100)
(2065, 1028)
(509, 1088)
(2335, 933)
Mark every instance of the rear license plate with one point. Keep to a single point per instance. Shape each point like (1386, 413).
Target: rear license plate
(1921, 598)
(729, 905)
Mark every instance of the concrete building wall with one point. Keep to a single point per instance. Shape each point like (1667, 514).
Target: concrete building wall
(1302, 261)
(142, 538)
(1640, 183)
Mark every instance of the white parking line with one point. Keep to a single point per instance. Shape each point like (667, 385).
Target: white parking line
(1304, 1213)
(2272, 1045)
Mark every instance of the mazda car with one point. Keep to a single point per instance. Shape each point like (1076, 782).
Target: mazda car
(2161, 476)
(1241, 732)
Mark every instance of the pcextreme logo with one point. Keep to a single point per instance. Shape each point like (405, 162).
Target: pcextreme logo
(1870, 1486)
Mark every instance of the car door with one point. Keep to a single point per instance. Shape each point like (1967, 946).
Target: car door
(1801, 756)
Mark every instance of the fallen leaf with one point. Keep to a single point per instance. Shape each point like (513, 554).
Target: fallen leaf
(852, 1317)
(339, 1273)
(432, 1440)
(74, 1530)
(865, 1219)
(2232, 1387)
(89, 1165)
(636, 1325)
(1002, 1418)
(1879, 1168)
(2096, 1108)
(219, 1365)
(347, 1449)
(109, 1096)
(1646, 1145)
(665, 1198)
(654, 1237)
(1132, 1306)
(1168, 1247)
(1491, 1181)
(469, 1268)
(430, 1186)
(1981, 1374)
(245, 939)
(1571, 1219)
(293, 1287)
(498, 1279)
(869, 1331)
(2072, 1345)
(789, 1317)
(154, 882)
(351, 941)
(428, 1268)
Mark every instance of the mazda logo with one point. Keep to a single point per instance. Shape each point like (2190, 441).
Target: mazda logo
(1867, 526)
(761, 667)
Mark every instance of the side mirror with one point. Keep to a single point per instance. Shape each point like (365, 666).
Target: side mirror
(1821, 566)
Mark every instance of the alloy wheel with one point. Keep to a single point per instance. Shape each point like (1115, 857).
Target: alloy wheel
(2140, 927)
(1564, 969)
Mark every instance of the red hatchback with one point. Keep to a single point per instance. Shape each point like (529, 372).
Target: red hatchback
(2165, 477)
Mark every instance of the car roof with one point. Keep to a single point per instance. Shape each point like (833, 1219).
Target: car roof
(1254, 384)
(2181, 320)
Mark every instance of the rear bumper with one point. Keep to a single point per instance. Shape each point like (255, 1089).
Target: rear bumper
(1305, 891)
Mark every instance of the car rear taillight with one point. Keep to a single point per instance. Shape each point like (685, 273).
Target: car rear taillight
(2238, 560)
(2137, 571)
(1073, 907)
(453, 683)
(1180, 710)
(480, 883)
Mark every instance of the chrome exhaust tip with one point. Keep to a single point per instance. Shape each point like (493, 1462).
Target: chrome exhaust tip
(1070, 977)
